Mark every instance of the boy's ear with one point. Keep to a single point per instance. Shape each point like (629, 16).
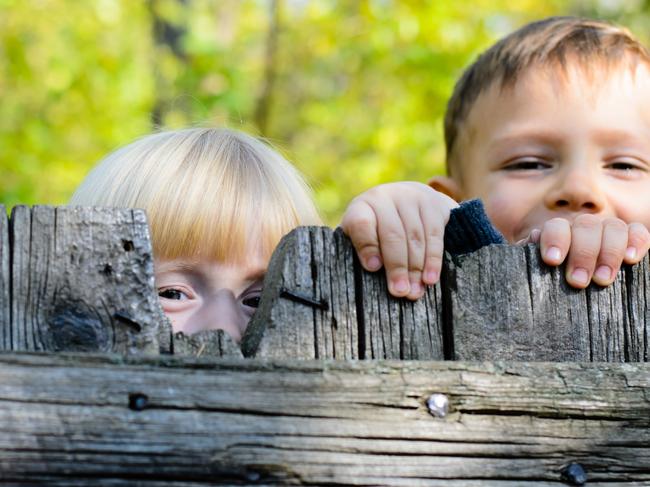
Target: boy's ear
(447, 186)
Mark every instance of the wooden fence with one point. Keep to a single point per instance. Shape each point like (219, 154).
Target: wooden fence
(342, 384)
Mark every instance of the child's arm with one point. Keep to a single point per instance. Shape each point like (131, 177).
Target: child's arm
(596, 248)
(400, 226)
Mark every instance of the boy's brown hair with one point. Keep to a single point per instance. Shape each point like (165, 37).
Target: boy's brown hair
(549, 42)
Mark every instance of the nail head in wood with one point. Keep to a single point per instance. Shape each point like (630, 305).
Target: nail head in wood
(127, 319)
(138, 401)
(438, 405)
(302, 299)
(574, 474)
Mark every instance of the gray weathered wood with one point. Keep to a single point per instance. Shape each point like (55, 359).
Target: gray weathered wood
(398, 328)
(505, 304)
(317, 264)
(83, 281)
(361, 319)
(208, 343)
(65, 420)
(5, 283)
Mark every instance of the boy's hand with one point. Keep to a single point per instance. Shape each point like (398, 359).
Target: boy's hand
(400, 225)
(596, 248)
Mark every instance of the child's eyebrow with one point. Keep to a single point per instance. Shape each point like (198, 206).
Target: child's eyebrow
(529, 136)
(616, 136)
(256, 274)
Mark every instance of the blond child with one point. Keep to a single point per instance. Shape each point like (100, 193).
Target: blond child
(218, 202)
(550, 127)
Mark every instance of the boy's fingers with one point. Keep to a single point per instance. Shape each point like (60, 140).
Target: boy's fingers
(394, 248)
(612, 250)
(416, 243)
(638, 243)
(434, 228)
(360, 224)
(585, 248)
(555, 241)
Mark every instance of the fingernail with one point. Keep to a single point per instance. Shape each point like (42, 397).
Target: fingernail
(604, 273)
(580, 275)
(430, 276)
(416, 287)
(401, 286)
(373, 263)
(630, 253)
(554, 254)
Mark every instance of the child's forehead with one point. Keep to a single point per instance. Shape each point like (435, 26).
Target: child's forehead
(542, 85)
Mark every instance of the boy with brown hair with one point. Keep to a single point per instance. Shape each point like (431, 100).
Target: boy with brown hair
(550, 128)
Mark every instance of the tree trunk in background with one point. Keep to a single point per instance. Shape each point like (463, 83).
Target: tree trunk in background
(266, 94)
(170, 36)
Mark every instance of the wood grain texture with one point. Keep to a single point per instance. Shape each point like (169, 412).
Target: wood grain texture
(360, 320)
(83, 281)
(503, 303)
(5, 282)
(65, 420)
(311, 263)
(207, 343)
(396, 328)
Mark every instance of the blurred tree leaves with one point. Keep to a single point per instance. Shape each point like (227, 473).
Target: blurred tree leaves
(352, 91)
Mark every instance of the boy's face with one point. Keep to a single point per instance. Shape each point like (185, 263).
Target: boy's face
(557, 145)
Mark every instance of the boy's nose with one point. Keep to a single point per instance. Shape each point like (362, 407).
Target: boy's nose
(576, 191)
(221, 311)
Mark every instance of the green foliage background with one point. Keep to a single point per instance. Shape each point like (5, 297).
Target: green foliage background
(352, 91)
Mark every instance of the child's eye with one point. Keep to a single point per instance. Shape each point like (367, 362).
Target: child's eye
(623, 166)
(527, 165)
(251, 302)
(171, 293)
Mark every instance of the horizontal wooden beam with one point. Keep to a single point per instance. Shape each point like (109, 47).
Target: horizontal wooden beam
(79, 419)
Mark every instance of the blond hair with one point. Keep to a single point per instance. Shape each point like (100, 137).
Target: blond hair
(550, 42)
(207, 192)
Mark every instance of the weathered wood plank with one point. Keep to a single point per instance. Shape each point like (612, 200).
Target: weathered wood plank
(358, 319)
(5, 282)
(83, 281)
(503, 303)
(308, 307)
(399, 328)
(66, 419)
(208, 343)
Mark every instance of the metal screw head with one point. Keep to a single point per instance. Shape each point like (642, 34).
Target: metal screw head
(438, 405)
(574, 474)
(138, 401)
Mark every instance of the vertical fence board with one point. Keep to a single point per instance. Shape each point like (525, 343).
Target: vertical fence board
(397, 328)
(83, 281)
(314, 265)
(20, 231)
(506, 304)
(5, 283)
(637, 331)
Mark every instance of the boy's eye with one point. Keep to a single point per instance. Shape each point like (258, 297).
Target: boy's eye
(171, 293)
(527, 165)
(623, 166)
(251, 302)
